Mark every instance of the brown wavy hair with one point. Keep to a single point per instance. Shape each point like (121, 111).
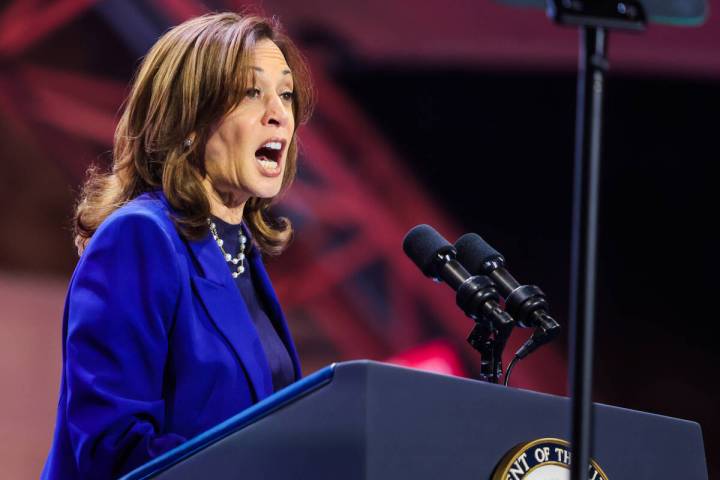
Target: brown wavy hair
(194, 75)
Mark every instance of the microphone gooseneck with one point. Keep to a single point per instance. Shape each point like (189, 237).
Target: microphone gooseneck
(436, 257)
(475, 295)
(525, 303)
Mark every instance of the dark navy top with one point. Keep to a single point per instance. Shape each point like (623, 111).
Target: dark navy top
(277, 355)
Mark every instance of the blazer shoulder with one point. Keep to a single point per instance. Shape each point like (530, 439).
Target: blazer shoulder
(146, 218)
(147, 211)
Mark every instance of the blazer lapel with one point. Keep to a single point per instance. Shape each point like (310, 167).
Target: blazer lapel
(275, 313)
(228, 311)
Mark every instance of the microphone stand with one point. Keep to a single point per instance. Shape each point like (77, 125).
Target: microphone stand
(594, 19)
(490, 343)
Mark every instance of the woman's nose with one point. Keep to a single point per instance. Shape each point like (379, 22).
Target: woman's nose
(275, 112)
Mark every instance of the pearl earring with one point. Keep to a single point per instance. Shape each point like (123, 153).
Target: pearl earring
(187, 142)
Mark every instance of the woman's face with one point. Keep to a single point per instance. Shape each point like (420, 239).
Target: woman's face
(247, 152)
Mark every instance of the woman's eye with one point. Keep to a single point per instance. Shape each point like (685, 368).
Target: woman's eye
(252, 92)
(287, 96)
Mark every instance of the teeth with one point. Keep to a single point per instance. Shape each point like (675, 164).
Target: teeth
(269, 164)
(273, 145)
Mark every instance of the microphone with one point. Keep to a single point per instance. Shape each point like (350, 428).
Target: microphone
(476, 294)
(525, 303)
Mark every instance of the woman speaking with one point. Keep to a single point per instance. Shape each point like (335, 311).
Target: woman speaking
(171, 324)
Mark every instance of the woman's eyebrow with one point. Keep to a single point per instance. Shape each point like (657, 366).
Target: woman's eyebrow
(284, 72)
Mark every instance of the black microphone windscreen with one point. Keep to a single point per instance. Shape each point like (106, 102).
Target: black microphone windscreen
(421, 244)
(473, 253)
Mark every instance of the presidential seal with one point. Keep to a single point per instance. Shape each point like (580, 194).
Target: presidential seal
(541, 459)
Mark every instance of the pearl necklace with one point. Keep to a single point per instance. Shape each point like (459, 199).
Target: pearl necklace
(240, 258)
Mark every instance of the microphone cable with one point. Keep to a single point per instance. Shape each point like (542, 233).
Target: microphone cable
(509, 370)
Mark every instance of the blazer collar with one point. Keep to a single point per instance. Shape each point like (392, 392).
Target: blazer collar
(224, 304)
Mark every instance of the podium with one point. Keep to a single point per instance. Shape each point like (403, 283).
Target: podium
(366, 420)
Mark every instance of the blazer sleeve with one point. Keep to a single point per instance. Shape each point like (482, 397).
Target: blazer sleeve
(121, 305)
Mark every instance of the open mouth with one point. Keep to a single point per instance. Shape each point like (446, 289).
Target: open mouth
(269, 154)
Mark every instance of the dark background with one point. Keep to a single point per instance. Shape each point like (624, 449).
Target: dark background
(505, 171)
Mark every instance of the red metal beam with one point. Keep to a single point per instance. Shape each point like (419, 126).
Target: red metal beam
(23, 24)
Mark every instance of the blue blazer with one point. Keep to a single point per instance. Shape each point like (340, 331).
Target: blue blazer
(158, 345)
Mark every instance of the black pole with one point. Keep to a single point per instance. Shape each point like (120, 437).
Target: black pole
(591, 78)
